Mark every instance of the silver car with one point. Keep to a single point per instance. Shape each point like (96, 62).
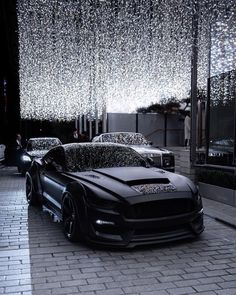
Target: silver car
(162, 158)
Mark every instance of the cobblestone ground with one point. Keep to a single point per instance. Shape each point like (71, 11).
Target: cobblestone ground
(35, 258)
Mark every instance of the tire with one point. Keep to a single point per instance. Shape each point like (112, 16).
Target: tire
(71, 220)
(31, 196)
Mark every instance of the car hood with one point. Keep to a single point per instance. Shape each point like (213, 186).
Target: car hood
(37, 153)
(145, 149)
(133, 181)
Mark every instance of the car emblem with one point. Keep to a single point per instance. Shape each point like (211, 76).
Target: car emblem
(154, 188)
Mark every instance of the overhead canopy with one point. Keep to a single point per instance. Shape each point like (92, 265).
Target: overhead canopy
(87, 57)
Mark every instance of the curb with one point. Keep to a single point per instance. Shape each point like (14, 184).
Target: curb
(225, 222)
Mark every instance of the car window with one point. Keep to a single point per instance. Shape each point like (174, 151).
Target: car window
(55, 159)
(87, 157)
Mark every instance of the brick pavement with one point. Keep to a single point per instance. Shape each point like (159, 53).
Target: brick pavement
(221, 212)
(35, 258)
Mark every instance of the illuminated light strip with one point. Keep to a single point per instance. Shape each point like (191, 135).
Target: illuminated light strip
(80, 58)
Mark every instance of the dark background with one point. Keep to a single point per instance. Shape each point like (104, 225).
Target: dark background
(9, 93)
(10, 122)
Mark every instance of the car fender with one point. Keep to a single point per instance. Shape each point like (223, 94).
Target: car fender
(78, 192)
(33, 174)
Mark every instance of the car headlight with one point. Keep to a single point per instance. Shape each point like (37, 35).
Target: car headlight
(102, 202)
(197, 198)
(26, 158)
(101, 199)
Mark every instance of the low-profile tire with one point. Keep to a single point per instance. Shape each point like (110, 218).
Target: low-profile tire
(71, 220)
(31, 196)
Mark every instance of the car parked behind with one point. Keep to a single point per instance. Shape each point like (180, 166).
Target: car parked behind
(35, 148)
(162, 158)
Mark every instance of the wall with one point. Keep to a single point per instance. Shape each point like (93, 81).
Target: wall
(161, 130)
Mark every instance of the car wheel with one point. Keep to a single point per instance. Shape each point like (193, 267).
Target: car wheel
(31, 196)
(71, 220)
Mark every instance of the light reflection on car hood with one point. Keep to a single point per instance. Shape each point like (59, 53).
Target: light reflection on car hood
(147, 149)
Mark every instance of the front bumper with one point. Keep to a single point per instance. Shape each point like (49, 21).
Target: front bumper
(115, 230)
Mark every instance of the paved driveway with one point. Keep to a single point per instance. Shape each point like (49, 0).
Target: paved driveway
(35, 258)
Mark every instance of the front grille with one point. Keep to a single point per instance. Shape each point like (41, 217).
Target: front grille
(161, 208)
(168, 160)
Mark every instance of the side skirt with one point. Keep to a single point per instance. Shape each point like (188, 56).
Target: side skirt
(55, 215)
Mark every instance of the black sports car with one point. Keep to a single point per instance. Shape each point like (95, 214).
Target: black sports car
(36, 147)
(162, 158)
(108, 194)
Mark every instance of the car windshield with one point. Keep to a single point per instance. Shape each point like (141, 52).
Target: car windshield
(42, 143)
(125, 138)
(84, 157)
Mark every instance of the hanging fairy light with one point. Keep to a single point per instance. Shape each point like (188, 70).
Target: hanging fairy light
(223, 50)
(84, 57)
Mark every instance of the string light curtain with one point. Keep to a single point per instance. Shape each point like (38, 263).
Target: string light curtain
(81, 57)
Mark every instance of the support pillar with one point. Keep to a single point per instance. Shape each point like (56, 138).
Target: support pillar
(194, 63)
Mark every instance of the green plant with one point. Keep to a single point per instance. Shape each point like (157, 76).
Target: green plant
(165, 106)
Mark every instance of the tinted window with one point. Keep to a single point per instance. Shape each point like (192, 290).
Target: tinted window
(82, 157)
(55, 158)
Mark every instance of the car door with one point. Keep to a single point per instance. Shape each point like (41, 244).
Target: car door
(52, 180)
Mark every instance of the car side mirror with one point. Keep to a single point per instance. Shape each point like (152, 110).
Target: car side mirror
(51, 165)
(47, 161)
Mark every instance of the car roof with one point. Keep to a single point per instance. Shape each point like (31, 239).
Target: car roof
(43, 138)
(118, 132)
(72, 145)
